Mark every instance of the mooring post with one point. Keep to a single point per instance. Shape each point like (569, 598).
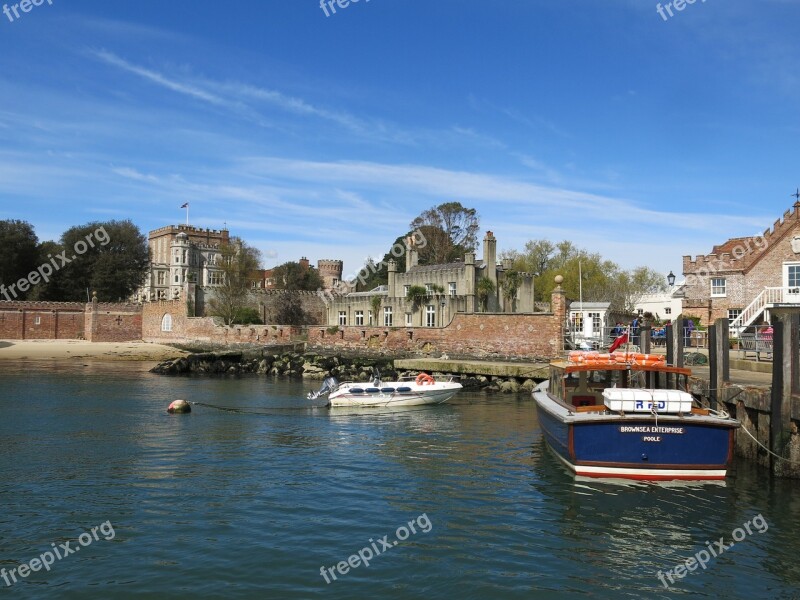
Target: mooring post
(718, 361)
(776, 395)
(644, 341)
(674, 346)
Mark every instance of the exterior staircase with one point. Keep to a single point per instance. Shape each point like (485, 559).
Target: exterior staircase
(768, 297)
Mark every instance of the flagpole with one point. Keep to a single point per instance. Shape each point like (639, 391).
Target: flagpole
(580, 295)
(187, 214)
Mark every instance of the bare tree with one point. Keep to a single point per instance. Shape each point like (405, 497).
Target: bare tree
(238, 260)
(450, 230)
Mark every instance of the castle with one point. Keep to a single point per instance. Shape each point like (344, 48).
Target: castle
(183, 254)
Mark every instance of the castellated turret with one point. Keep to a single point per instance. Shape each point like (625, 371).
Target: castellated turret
(330, 271)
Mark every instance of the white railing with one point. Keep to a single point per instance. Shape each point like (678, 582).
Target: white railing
(767, 297)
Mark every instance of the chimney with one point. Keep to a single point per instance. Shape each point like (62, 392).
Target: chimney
(490, 256)
(412, 256)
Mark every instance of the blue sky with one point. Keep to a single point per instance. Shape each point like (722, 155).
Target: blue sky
(598, 122)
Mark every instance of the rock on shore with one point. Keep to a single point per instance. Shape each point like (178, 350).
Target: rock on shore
(317, 367)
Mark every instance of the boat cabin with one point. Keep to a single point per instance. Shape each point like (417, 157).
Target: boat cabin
(581, 386)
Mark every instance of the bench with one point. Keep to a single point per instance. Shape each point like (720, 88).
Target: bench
(755, 344)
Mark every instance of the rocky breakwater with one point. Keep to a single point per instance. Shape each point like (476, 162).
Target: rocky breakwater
(317, 366)
(309, 365)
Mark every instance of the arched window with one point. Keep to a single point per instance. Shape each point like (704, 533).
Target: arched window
(166, 322)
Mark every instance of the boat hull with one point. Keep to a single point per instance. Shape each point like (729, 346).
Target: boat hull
(637, 446)
(417, 395)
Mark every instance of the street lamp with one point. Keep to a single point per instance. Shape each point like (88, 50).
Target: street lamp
(671, 279)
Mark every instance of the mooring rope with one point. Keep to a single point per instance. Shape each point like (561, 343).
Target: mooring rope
(264, 411)
(794, 462)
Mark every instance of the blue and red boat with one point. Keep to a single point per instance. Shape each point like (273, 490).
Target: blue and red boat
(624, 415)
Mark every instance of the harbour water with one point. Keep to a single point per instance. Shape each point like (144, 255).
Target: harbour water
(262, 495)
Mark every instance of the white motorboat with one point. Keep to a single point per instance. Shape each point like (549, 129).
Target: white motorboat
(419, 391)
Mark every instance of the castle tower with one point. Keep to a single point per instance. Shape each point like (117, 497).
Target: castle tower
(179, 268)
(331, 272)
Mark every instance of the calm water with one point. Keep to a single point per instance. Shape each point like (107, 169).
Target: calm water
(252, 503)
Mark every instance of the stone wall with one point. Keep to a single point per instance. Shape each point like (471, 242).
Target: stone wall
(166, 322)
(266, 302)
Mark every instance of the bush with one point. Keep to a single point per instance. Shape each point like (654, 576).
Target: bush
(247, 316)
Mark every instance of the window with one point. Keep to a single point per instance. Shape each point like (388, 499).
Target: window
(161, 278)
(387, 316)
(429, 288)
(405, 290)
(733, 314)
(177, 277)
(452, 288)
(718, 286)
(793, 276)
(430, 316)
(577, 321)
(37, 320)
(359, 317)
(668, 311)
(215, 278)
(342, 317)
(408, 320)
(166, 322)
(371, 320)
(596, 323)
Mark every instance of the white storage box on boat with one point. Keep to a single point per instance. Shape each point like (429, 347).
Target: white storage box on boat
(632, 400)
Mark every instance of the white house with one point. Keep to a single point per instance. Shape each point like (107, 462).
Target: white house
(663, 305)
(588, 324)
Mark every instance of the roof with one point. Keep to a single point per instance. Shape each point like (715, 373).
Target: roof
(730, 245)
(443, 267)
(575, 306)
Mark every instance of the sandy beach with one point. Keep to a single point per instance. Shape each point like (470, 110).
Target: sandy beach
(79, 349)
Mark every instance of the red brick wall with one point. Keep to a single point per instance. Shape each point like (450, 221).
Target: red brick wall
(482, 334)
(56, 320)
(113, 322)
(501, 335)
(204, 328)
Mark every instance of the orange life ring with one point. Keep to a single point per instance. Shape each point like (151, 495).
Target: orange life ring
(425, 379)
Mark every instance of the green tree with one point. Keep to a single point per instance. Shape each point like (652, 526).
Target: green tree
(375, 303)
(19, 256)
(485, 288)
(111, 258)
(238, 260)
(293, 276)
(450, 230)
(512, 280)
(417, 295)
(585, 273)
